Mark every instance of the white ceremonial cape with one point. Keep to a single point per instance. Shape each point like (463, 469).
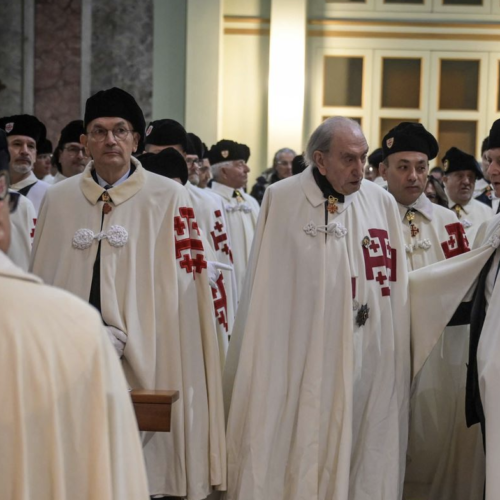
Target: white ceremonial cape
(439, 289)
(22, 223)
(319, 404)
(36, 193)
(154, 288)
(473, 215)
(58, 178)
(444, 458)
(67, 426)
(210, 218)
(241, 221)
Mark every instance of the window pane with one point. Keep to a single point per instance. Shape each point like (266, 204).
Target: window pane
(498, 87)
(405, 2)
(387, 124)
(461, 134)
(462, 2)
(343, 81)
(401, 83)
(345, 1)
(459, 84)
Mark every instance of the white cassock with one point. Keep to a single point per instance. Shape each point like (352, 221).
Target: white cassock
(472, 215)
(439, 289)
(58, 178)
(241, 220)
(67, 426)
(22, 223)
(318, 402)
(210, 217)
(444, 459)
(380, 181)
(154, 288)
(35, 193)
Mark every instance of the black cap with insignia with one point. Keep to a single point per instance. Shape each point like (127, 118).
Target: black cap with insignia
(44, 147)
(27, 125)
(115, 103)
(494, 137)
(166, 133)
(456, 160)
(410, 136)
(226, 150)
(168, 163)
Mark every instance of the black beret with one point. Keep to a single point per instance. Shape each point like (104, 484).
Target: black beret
(27, 125)
(298, 165)
(410, 136)
(4, 151)
(166, 133)
(376, 157)
(245, 152)
(168, 163)
(115, 103)
(226, 150)
(195, 146)
(494, 137)
(44, 147)
(71, 133)
(456, 160)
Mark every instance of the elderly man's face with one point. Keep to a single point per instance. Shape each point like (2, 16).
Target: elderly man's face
(283, 165)
(113, 152)
(494, 169)
(343, 165)
(406, 175)
(205, 173)
(22, 151)
(73, 157)
(236, 174)
(193, 164)
(460, 186)
(485, 164)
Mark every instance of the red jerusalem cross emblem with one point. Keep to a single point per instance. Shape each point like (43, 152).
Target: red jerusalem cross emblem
(457, 243)
(219, 236)
(188, 246)
(380, 260)
(220, 303)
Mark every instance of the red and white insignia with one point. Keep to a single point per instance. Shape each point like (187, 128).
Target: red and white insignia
(219, 236)
(380, 260)
(457, 243)
(188, 246)
(224, 153)
(389, 142)
(149, 130)
(8, 127)
(220, 303)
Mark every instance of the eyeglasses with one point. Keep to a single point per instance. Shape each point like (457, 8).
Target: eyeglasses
(99, 134)
(283, 163)
(75, 150)
(45, 156)
(191, 161)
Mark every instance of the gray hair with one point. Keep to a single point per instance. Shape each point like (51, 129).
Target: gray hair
(281, 151)
(216, 168)
(321, 138)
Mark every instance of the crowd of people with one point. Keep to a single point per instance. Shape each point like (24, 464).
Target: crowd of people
(331, 330)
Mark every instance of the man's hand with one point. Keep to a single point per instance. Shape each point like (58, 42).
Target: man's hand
(213, 270)
(118, 339)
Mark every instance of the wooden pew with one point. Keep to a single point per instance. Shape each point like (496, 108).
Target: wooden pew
(153, 409)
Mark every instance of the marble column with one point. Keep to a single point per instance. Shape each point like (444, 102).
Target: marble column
(122, 48)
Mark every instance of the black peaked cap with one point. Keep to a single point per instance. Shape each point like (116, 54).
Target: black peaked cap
(27, 125)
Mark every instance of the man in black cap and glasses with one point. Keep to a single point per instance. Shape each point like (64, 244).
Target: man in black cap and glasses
(24, 132)
(130, 245)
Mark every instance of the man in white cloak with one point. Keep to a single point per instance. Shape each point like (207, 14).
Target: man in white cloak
(444, 458)
(461, 171)
(228, 160)
(130, 244)
(471, 279)
(317, 379)
(23, 134)
(67, 427)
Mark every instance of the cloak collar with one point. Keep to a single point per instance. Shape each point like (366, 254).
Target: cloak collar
(314, 194)
(10, 270)
(31, 179)
(225, 191)
(423, 206)
(119, 194)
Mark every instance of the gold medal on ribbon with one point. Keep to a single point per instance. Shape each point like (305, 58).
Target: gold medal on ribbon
(105, 196)
(239, 198)
(332, 205)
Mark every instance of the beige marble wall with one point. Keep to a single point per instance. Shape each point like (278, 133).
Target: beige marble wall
(11, 57)
(122, 48)
(57, 63)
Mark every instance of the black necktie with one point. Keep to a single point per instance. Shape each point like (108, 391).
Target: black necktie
(498, 208)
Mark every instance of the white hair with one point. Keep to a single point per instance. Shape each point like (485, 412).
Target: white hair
(216, 168)
(321, 138)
